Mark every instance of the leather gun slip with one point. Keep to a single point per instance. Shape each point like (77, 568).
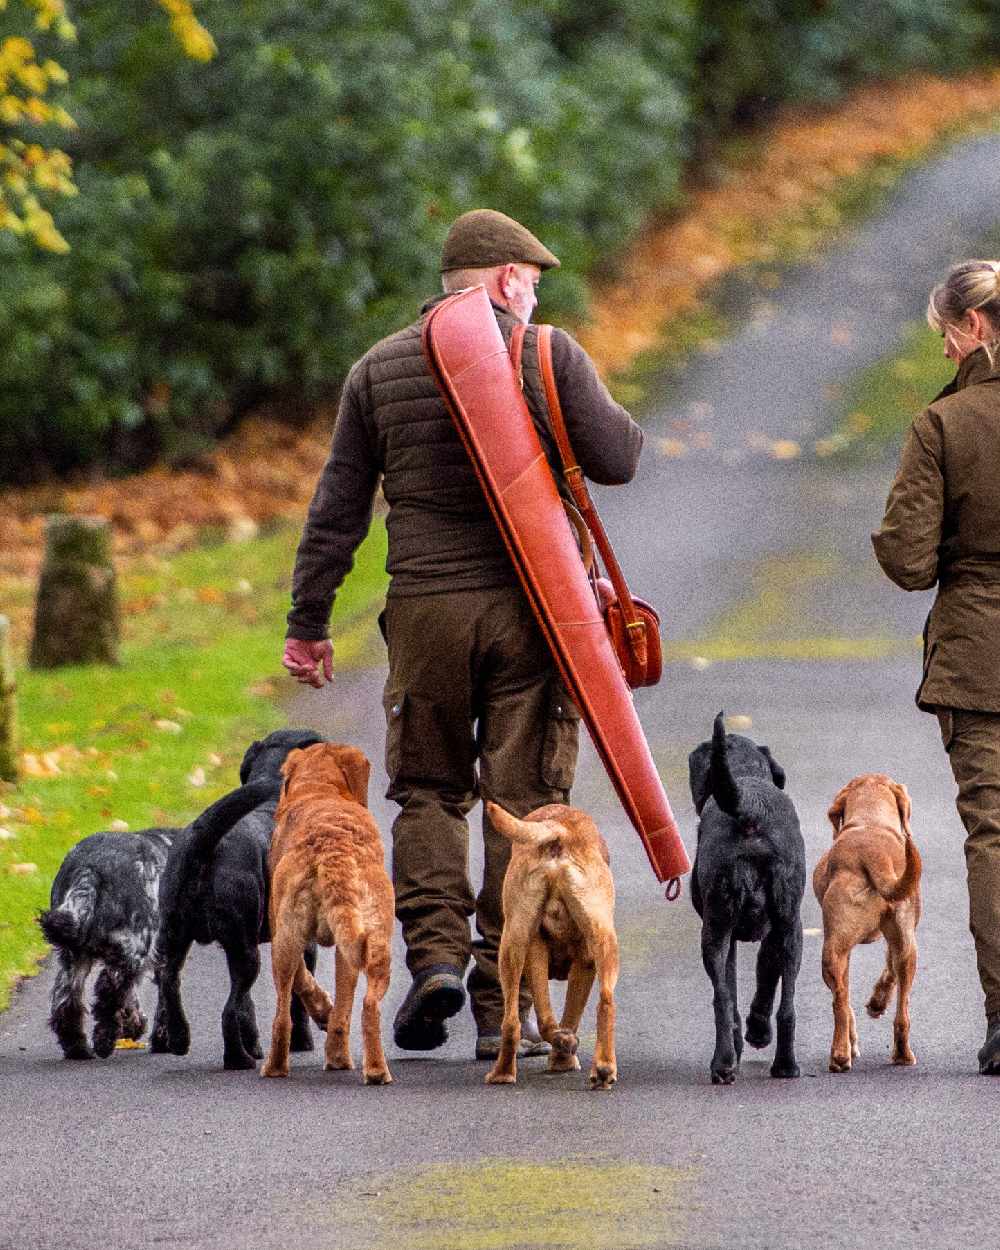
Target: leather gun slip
(468, 359)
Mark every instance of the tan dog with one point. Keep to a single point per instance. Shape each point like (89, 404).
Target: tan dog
(329, 884)
(869, 883)
(558, 904)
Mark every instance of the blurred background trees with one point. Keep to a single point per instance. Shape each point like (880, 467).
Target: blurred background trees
(247, 223)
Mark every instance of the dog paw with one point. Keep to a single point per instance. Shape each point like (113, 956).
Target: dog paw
(723, 1076)
(758, 1032)
(785, 1070)
(564, 1042)
(104, 1042)
(904, 1059)
(603, 1076)
(380, 1076)
(875, 1009)
(239, 1063)
(496, 1077)
(339, 1063)
(179, 1043)
(840, 1063)
(77, 1051)
(563, 1063)
(270, 1069)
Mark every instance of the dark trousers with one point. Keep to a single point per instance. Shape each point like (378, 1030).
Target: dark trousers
(474, 710)
(972, 740)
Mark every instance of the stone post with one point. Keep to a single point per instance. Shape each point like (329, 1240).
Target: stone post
(8, 707)
(77, 617)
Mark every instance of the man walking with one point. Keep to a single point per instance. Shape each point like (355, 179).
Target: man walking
(473, 703)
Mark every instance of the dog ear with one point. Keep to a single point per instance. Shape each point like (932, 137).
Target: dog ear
(836, 812)
(290, 764)
(251, 753)
(777, 772)
(903, 806)
(699, 765)
(357, 771)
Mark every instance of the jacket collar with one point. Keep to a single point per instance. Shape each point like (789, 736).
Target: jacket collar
(975, 368)
(436, 299)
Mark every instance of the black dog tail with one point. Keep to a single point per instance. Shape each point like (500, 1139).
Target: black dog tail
(208, 830)
(722, 783)
(68, 925)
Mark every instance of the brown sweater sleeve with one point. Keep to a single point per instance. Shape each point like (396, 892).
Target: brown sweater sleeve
(907, 544)
(606, 440)
(339, 515)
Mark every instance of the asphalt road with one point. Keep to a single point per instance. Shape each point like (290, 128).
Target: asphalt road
(157, 1151)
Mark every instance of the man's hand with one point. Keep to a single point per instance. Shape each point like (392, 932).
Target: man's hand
(309, 662)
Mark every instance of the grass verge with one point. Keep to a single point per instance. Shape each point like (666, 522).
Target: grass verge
(153, 741)
(879, 402)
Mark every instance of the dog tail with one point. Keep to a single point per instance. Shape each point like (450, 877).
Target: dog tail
(527, 832)
(68, 925)
(208, 830)
(904, 886)
(722, 783)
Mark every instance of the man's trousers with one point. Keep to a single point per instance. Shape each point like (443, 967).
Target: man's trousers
(474, 710)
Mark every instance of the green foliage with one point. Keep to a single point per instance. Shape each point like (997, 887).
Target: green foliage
(249, 225)
(879, 402)
(755, 54)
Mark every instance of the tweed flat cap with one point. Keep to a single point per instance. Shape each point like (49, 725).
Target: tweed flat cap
(484, 237)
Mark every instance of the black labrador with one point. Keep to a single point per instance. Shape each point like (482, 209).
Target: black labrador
(747, 884)
(216, 889)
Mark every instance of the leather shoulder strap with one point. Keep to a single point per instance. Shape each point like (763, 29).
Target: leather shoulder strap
(581, 497)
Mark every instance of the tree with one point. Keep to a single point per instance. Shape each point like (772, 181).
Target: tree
(31, 171)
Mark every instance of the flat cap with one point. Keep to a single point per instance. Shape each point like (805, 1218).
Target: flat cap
(484, 237)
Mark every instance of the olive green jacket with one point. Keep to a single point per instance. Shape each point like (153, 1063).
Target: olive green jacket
(942, 526)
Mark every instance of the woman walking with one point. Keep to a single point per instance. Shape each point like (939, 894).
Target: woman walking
(942, 526)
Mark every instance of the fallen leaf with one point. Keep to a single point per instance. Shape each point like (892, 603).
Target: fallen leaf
(126, 1043)
(700, 662)
(5, 834)
(118, 826)
(784, 449)
(22, 870)
(812, 932)
(215, 760)
(167, 726)
(672, 448)
(739, 722)
(196, 777)
(209, 594)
